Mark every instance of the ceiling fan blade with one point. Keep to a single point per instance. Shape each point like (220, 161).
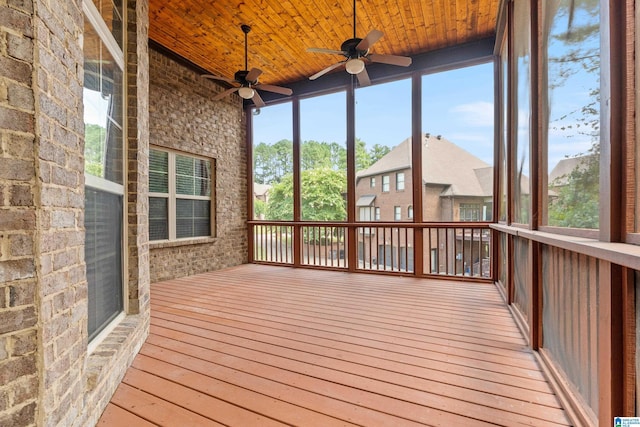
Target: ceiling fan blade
(257, 100)
(403, 61)
(253, 75)
(225, 93)
(363, 78)
(371, 38)
(326, 70)
(321, 50)
(222, 79)
(275, 89)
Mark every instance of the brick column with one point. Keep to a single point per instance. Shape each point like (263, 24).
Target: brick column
(18, 188)
(59, 251)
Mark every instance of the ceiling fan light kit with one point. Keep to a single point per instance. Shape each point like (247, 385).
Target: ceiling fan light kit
(247, 79)
(354, 66)
(246, 92)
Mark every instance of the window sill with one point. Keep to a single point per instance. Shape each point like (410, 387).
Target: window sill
(183, 242)
(624, 254)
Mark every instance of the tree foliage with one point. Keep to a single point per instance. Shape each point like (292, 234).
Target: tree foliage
(272, 162)
(577, 203)
(94, 136)
(322, 195)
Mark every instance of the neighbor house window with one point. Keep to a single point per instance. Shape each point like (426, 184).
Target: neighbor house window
(397, 213)
(372, 182)
(377, 214)
(365, 213)
(470, 212)
(410, 212)
(385, 183)
(400, 181)
(180, 196)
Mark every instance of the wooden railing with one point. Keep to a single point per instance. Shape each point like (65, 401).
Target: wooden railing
(431, 249)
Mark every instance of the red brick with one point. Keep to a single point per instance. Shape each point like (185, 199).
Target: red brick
(17, 320)
(15, 368)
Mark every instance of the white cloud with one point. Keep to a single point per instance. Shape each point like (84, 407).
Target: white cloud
(475, 113)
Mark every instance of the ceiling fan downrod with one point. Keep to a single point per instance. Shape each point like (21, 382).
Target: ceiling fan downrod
(245, 30)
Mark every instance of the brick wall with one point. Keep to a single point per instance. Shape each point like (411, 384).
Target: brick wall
(60, 245)
(47, 377)
(183, 117)
(18, 188)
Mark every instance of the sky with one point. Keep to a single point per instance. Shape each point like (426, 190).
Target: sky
(457, 105)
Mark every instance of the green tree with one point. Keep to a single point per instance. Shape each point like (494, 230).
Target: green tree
(259, 208)
(315, 155)
(322, 196)
(272, 162)
(577, 202)
(94, 137)
(377, 152)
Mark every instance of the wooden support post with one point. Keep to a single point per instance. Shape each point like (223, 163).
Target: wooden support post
(610, 343)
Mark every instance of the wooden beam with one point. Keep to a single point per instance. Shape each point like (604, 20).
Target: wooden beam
(416, 153)
(249, 147)
(297, 200)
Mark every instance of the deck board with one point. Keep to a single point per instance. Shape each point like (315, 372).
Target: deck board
(263, 345)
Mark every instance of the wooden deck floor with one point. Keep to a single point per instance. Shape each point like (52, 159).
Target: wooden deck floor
(260, 346)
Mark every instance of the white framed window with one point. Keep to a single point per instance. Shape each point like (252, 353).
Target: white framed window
(372, 182)
(377, 214)
(365, 213)
(180, 196)
(104, 170)
(400, 181)
(410, 212)
(385, 183)
(397, 213)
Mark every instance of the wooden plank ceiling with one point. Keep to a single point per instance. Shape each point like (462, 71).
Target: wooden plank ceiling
(208, 33)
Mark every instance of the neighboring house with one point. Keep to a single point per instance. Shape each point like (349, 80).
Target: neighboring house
(559, 175)
(456, 186)
(261, 193)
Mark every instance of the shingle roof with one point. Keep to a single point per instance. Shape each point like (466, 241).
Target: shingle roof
(260, 189)
(560, 173)
(443, 163)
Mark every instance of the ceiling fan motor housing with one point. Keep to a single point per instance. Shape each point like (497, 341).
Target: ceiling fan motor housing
(349, 46)
(241, 77)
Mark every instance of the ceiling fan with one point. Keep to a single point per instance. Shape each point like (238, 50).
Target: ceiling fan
(248, 80)
(355, 51)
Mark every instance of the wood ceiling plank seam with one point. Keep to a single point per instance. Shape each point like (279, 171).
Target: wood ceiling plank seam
(420, 24)
(450, 19)
(385, 24)
(282, 48)
(415, 22)
(491, 17)
(436, 31)
(397, 30)
(366, 19)
(462, 9)
(441, 27)
(482, 21)
(472, 18)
